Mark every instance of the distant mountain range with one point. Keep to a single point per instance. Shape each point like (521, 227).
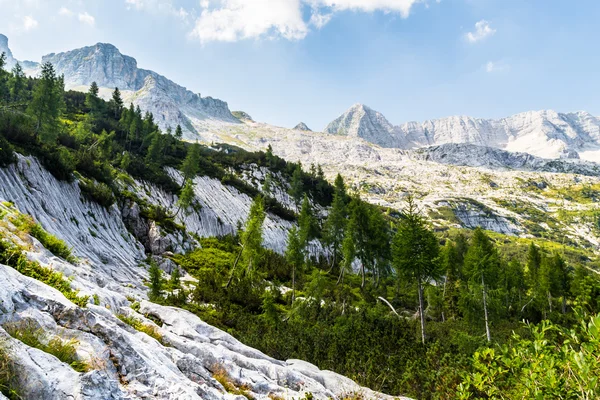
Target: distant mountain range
(546, 134)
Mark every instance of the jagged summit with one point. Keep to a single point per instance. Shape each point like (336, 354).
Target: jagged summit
(363, 122)
(544, 133)
(302, 127)
(170, 103)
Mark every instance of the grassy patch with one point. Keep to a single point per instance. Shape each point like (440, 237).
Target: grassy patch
(8, 373)
(13, 256)
(32, 336)
(53, 244)
(221, 375)
(139, 326)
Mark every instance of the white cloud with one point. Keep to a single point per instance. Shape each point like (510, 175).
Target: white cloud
(482, 31)
(65, 12)
(232, 20)
(243, 19)
(29, 23)
(492, 67)
(319, 20)
(87, 18)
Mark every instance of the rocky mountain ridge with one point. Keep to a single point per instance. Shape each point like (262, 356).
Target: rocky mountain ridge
(544, 133)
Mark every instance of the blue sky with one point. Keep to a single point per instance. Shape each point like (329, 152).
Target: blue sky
(286, 61)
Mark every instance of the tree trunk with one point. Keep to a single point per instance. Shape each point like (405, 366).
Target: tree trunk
(362, 271)
(485, 311)
(444, 298)
(293, 284)
(421, 311)
(550, 301)
(341, 277)
(234, 267)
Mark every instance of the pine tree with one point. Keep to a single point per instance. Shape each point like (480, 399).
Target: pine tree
(186, 196)
(333, 229)
(481, 269)
(116, 103)
(295, 256)
(155, 151)
(251, 238)
(17, 84)
(47, 103)
(175, 281)
(156, 283)
(93, 102)
(348, 249)
(306, 223)
(415, 253)
(4, 90)
(178, 132)
(267, 186)
(297, 186)
(191, 164)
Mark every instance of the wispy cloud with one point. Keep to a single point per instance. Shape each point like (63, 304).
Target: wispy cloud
(482, 31)
(233, 20)
(498, 66)
(29, 23)
(86, 18)
(163, 7)
(65, 12)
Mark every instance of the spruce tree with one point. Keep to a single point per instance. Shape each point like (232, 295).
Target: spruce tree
(333, 229)
(156, 283)
(17, 84)
(294, 255)
(297, 186)
(415, 253)
(4, 90)
(186, 196)
(47, 103)
(178, 132)
(155, 151)
(116, 103)
(191, 164)
(481, 269)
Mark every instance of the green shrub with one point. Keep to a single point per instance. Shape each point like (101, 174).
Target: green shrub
(98, 192)
(32, 336)
(13, 256)
(53, 244)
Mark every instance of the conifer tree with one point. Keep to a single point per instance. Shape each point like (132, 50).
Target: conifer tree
(116, 103)
(155, 151)
(156, 284)
(415, 253)
(481, 269)
(4, 90)
(47, 103)
(294, 255)
(191, 164)
(17, 84)
(187, 196)
(178, 132)
(297, 186)
(333, 229)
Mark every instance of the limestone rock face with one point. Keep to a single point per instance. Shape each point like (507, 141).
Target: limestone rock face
(170, 103)
(545, 133)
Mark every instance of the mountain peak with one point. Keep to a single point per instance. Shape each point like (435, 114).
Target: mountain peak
(302, 127)
(364, 122)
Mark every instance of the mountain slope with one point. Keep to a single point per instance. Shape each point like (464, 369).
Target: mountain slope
(543, 133)
(172, 104)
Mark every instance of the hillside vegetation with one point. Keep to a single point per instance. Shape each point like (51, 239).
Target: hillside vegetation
(389, 302)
